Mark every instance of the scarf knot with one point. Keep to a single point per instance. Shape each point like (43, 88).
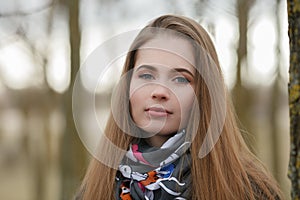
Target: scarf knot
(155, 173)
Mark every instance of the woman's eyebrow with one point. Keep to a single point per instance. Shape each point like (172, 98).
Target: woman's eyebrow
(184, 70)
(149, 67)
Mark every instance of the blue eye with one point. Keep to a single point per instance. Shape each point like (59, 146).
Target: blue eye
(146, 76)
(181, 80)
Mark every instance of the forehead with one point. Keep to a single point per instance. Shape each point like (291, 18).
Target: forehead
(167, 51)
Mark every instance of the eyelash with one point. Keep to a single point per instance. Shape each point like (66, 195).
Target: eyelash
(146, 76)
(180, 79)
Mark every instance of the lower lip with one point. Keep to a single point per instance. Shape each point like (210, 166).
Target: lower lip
(153, 113)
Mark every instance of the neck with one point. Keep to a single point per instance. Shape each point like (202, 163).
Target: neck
(158, 140)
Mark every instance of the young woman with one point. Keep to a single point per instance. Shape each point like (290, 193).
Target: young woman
(173, 118)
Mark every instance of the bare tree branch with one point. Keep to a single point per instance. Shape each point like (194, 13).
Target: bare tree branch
(30, 12)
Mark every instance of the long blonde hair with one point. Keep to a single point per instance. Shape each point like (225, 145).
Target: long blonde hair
(228, 171)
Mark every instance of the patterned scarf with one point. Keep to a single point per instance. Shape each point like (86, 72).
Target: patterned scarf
(152, 173)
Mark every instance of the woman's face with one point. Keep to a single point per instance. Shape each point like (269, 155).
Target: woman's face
(162, 85)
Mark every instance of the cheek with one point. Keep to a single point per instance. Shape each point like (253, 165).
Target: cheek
(133, 109)
(185, 99)
(190, 100)
(186, 103)
(133, 95)
(136, 99)
(133, 100)
(136, 92)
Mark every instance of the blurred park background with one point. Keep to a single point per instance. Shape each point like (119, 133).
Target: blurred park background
(43, 44)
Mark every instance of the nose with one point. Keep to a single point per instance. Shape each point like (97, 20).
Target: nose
(160, 93)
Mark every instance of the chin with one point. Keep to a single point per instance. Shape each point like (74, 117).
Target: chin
(159, 131)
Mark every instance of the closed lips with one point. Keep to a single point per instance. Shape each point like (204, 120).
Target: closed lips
(158, 109)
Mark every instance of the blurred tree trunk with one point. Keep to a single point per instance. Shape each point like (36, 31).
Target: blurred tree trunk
(275, 99)
(294, 95)
(242, 96)
(73, 158)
